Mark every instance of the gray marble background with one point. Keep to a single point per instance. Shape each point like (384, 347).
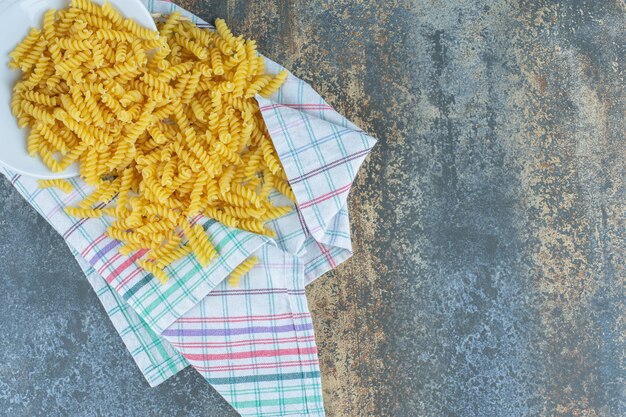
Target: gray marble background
(488, 277)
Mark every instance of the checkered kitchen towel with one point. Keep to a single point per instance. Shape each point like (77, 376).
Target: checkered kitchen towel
(254, 343)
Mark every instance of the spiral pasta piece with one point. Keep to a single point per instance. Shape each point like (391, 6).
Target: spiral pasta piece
(273, 212)
(166, 249)
(225, 33)
(121, 52)
(139, 50)
(73, 156)
(157, 84)
(87, 6)
(39, 98)
(227, 153)
(195, 48)
(55, 51)
(168, 27)
(158, 61)
(256, 226)
(171, 257)
(216, 62)
(33, 143)
(140, 31)
(156, 227)
(257, 85)
(223, 46)
(116, 108)
(243, 212)
(48, 24)
(23, 47)
(195, 203)
(125, 236)
(175, 71)
(97, 22)
(242, 105)
(63, 185)
(198, 110)
(246, 193)
(57, 143)
(268, 185)
(89, 169)
(274, 84)
(37, 112)
(284, 188)
(246, 266)
(190, 87)
(222, 217)
(152, 268)
(72, 63)
(48, 158)
(206, 252)
(74, 44)
(199, 243)
(32, 56)
(240, 79)
(81, 212)
(114, 35)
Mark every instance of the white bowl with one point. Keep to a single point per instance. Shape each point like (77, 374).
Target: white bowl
(16, 19)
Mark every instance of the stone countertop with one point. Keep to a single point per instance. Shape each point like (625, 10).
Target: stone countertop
(488, 275)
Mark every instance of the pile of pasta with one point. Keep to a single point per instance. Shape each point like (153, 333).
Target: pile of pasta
(164, 124)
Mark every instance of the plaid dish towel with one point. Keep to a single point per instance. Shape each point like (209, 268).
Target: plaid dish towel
(254, 343)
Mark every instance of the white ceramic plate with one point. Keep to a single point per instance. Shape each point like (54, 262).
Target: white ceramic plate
(16, 19)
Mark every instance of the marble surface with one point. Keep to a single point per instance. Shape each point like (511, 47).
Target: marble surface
(488, 275)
